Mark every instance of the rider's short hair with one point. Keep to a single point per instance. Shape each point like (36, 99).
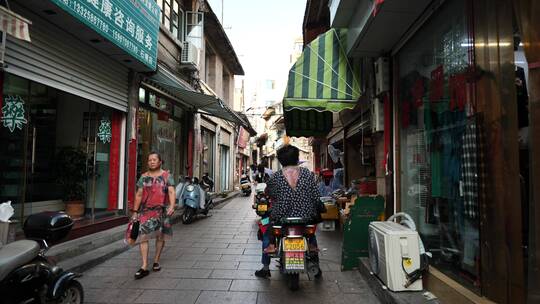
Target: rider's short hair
(288, 155)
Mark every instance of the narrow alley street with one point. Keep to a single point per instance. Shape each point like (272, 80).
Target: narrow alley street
(213, 261)
(408, 128)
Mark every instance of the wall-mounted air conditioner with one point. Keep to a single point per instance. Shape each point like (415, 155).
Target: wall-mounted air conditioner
(377, 115)
(394, 251)
(382, 75)
(191, 55)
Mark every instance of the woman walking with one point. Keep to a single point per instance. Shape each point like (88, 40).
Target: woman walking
(154, 204)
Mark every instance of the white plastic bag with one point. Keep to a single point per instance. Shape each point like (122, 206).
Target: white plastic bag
(6, 211)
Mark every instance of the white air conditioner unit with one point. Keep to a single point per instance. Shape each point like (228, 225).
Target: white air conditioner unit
(191, 55)
(382, 75)
(394, 249)
(377, 115)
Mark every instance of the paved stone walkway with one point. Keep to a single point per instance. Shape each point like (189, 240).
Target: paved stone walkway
(213, 261)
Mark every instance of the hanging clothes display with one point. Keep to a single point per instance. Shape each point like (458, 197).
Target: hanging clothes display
(472, 170)
(458, 91)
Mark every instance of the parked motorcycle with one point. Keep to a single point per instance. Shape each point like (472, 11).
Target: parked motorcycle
(245, 185)
(27, 275)
(293, 250)
(196, 197)
(261, 203)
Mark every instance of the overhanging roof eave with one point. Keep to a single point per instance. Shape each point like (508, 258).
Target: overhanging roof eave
(195, 101)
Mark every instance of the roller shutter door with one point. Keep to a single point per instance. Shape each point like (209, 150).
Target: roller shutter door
(59, 60)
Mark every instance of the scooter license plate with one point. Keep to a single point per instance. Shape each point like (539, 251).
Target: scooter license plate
(294, 260)
(294, 244)
(262, 208)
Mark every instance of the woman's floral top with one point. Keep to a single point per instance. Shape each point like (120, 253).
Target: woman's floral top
(300, 201)
(153, 218)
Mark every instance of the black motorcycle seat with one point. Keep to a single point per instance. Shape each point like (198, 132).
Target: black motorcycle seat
(16, 254)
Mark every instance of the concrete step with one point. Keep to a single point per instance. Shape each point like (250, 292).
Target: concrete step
(87, 243)
(387, 296)
(89, 259)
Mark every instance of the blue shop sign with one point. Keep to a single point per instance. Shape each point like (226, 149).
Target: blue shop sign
(132, 25)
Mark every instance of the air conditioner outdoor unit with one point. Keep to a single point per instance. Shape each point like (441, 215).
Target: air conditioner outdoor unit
(190, 55)
(382, 75)
(377, 115)
(394, 249)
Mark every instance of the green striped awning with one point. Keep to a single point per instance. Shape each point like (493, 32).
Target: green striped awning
(320, 82)
(322, 78)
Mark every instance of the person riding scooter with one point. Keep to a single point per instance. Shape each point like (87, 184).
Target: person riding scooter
(294, 193)
(245, 184)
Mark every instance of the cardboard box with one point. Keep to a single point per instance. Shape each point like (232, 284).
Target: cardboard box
(331, 213)
(341, 202)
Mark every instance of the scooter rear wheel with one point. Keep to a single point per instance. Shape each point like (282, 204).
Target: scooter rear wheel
(294, 281)
(73, 294)
(187, 216)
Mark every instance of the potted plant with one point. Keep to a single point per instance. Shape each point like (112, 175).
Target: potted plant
(71, 176)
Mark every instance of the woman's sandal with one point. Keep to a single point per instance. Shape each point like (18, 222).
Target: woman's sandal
(141, 273)
(156, 267)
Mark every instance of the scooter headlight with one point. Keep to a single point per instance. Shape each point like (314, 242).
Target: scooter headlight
(190, 188)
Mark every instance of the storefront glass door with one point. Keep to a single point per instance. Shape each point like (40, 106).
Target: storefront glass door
(95, 141)
(207, 157)
(39, 122)
(224, 170)
(27, 155)
(40, 149)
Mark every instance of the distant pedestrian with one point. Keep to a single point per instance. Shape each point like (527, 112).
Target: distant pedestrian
(154, 204)
(253, 171)
(261, 176)
(264, 162)
(268, 171)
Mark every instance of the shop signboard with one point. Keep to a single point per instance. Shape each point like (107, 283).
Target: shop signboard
(13, 116)
(131, 25)
(104, 131)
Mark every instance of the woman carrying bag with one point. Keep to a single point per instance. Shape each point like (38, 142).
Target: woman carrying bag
(154, 204)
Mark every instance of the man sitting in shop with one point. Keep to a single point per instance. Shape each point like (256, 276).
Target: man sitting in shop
(325, 185)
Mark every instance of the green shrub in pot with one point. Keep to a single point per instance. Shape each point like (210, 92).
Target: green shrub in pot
(71, 176)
